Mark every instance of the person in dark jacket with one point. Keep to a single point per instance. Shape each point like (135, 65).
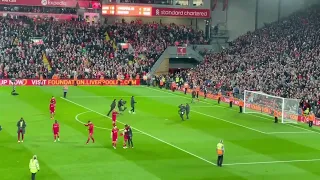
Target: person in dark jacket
(112, 106)
(21, 124)
(187, 110)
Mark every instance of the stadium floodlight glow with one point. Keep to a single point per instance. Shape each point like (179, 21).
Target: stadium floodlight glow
(261, 103)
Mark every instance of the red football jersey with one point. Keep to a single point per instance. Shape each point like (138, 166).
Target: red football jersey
(114, 115)
(52, 106)
(53, 101)
(56, 127)
(90, 128)
(115, 132)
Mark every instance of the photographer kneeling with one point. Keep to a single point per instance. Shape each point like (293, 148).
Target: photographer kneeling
(121, 105)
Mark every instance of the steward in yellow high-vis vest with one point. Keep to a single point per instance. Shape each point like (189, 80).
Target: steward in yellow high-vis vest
(220, 152)
(34, 167)
(65, 91)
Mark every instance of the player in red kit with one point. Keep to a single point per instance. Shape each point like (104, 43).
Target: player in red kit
(52, 109)
(53, 100)
(114, 136)
(114, 118)
(90, 129)
(56, 129)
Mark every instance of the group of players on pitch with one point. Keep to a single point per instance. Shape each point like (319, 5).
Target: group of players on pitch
(126, 132)
(21, 124)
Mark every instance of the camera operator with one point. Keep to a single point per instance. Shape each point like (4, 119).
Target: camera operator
(121, 105)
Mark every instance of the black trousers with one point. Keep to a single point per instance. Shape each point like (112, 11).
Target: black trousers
(230, 104)
(110, 111)
(197, 94)
(187, 114)
(220, 160)
(130, 142)
(240, 109)
(132, 109)
(33, 176)
(181, 116)
(185, 90)
(121, 108)
(65, 94)
(310, 123)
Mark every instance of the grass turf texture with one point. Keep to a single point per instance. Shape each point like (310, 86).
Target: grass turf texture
(165, 147)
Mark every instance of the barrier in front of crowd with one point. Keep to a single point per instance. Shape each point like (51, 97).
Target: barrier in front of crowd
(259, 108)
(69, 82)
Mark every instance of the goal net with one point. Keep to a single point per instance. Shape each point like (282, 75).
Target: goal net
(261, 103)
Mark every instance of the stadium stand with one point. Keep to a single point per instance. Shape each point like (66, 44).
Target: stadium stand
(33, 9)
(281, 59)
(79, 49)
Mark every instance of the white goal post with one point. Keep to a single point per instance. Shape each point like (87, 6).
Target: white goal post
(261, 103)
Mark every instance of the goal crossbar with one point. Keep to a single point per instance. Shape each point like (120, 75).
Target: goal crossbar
(261, 103)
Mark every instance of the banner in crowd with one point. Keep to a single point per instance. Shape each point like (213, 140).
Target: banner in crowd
(260, 108)
(48, 3)
(181, 50)
(70, 82)
(147, 11)
(181, 12)
(37, 40)
(126, 10)
(91, 17)
(39, 15)
(54, 3)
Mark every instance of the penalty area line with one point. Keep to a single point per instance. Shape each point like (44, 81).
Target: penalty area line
(165, 142)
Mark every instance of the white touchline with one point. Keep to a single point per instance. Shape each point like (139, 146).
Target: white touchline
(301, 132)
(233, 110)
(143, 133)
(220, 118)
(272, 162)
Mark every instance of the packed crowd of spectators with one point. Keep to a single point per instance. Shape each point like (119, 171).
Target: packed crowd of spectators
(78, 49)
(38, 9)
(281, 59)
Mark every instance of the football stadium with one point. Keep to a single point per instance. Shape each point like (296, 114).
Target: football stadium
(196, 89)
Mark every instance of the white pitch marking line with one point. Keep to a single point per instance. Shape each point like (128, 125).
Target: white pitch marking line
(272, 162)
(219, 118)
(308, 130)
(77, 119)
(305, 132)
(234, 110)
(143, 133)
(230, 122)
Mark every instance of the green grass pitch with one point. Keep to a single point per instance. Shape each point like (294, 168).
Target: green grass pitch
(165, 147)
